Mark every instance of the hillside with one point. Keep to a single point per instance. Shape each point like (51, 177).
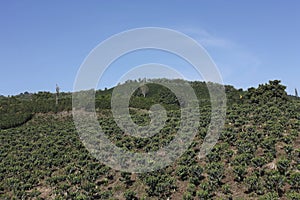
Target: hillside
(257, 155)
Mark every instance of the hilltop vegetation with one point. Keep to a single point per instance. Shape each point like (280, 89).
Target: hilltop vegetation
(16, 110)
(257, 155)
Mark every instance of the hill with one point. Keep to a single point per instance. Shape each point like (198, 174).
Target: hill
(257, 155)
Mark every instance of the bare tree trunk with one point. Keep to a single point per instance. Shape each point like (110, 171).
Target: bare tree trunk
(56, 99)
(57, 93)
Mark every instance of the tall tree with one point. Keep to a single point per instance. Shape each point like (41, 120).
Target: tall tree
(144, 90)
(57, 94)
(273, 91)
(296, 92)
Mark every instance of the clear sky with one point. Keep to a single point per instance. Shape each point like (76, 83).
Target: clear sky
(45, 42)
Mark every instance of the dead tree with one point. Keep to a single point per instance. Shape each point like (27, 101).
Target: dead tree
(144, 89)
(57, 95)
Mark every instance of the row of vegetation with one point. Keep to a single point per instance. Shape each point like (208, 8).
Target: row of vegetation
(17, 110)
(257, 155)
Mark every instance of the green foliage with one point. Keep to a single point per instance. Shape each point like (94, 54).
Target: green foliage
(41, 155)
(293, 195)
(182, 172)
(203, 194)
(130, 195)
(295, 180)
(283, 165)
(254, 184)
(195, 174)
(215, 172)
(258, 162)
(13, 113)
(266, 93)
(126, 177)
(239, 172)
(270, 196)
(274, 181)
(159, 185)
(187, 196)
(226, 189)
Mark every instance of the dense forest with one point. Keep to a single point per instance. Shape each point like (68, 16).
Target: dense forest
(257, 155)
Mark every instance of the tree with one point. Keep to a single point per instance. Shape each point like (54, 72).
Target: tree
(57, 94)
(144, 89)
(265, 93)
(296, 92)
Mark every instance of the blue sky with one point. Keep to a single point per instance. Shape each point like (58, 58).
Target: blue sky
(45, 42)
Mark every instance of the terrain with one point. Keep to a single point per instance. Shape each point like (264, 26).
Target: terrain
(257, 155)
